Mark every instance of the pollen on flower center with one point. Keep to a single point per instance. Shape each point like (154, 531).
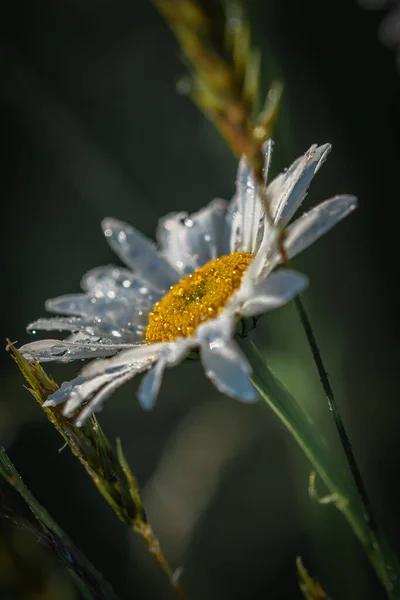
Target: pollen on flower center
(196, 298)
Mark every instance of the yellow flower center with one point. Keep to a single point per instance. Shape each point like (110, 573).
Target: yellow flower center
(196, 298)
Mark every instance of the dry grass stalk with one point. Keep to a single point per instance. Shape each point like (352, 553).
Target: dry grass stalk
(110, 472)
(225, 80)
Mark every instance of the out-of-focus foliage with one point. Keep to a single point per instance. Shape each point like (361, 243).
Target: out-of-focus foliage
(28, 568)
(88, 580)
(389, 29)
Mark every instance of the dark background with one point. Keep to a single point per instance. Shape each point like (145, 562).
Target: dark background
(92, 126)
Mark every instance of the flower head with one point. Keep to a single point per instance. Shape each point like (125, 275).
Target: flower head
(209, 270)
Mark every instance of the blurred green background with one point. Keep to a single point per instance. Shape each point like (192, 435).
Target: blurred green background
(92, 126)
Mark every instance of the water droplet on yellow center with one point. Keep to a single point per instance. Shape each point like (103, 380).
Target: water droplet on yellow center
(196, 298)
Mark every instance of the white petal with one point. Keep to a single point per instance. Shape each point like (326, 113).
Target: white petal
(76, 391)
(223, 361)
(191, 241)
(249, 211)
(133, 356)
(273, 291)
(169, 356)
(81, 336)
(93, 328)
(96, 389)
(64, 392)
(140, 254)
(82, 305)
(57, 324)
(97, 401)
(287, 191)
(150, 385)
(119, 315)
(262, 259)
(65, 351)
(245, 214)
(312, 225)
(87, 388)
(268, 147)
(88, 305)
(228, 369)
(108, 281)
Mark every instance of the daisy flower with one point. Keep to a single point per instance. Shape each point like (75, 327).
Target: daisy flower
(209, 270)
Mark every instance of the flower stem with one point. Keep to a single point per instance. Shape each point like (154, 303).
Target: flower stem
(333, 407)
(343, 493)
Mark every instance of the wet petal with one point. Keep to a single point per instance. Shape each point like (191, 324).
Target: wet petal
(116, 316)
(170, 355)
(275, 290)
(94, 387)
(267, 148)
(99, 398)
(228, 370)
(107, 329)
(191, 241)
(65, 351)
(64, 392)
(248, 208)
(88, 305)
(150, 385)
(312, 225)
(109, 281)
(93, 390)
(76, 391)
(82, 305)
(131, 356)
(100, 378)
(223, 361)
(140, 254)
(287, 191)
(88, 388)
(263, 256)
(57, 324)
